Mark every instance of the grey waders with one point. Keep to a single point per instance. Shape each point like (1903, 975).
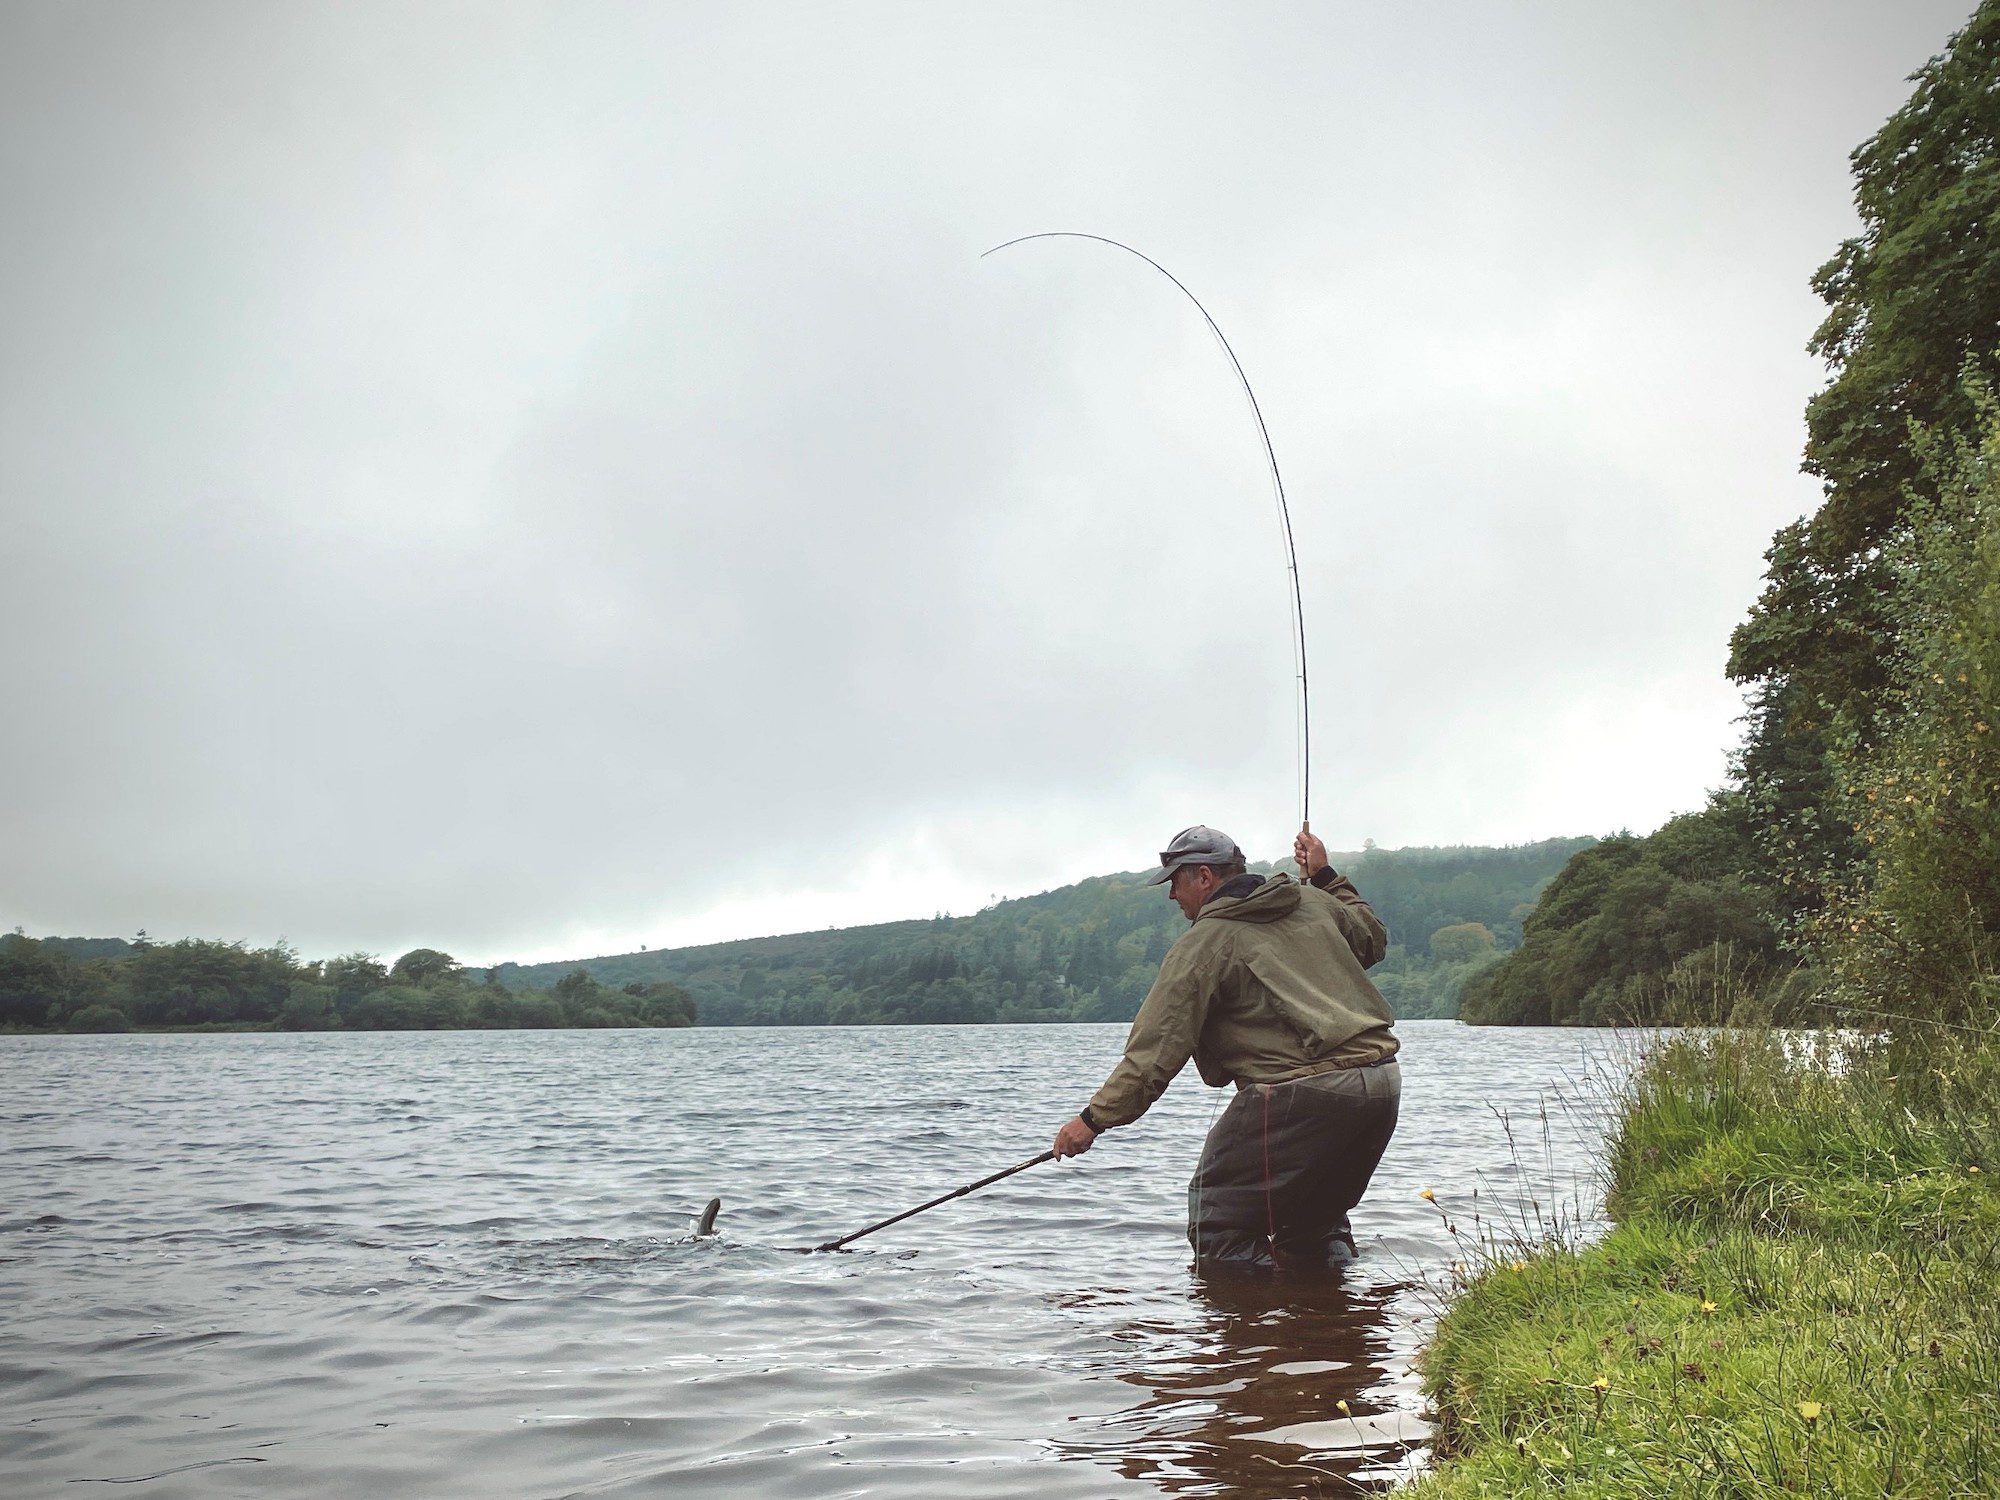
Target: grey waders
(1286, 1163)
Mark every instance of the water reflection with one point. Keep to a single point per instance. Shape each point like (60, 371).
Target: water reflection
(1244, 1396)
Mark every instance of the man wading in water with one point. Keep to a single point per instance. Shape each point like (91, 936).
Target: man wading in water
(1266, 990)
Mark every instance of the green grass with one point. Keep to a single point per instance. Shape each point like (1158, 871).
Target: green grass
(1801, 1293)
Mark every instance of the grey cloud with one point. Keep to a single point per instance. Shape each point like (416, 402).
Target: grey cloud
(516, 478)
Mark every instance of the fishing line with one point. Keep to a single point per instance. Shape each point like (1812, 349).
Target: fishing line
(1277, 485)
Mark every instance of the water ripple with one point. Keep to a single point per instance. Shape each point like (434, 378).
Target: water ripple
(464, 1264)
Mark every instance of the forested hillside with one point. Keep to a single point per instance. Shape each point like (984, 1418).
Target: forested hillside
(1853, 863)
(1086, 952)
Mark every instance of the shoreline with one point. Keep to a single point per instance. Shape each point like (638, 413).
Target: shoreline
(1795, 1292)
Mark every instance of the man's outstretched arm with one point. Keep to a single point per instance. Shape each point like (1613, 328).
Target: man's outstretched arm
(1158, 1046)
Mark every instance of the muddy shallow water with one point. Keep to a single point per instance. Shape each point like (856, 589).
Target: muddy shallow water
(461, 1264)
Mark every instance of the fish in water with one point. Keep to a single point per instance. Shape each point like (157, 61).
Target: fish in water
(707, 1224)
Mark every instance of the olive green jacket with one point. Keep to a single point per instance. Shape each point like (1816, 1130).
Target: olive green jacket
(1262, 988)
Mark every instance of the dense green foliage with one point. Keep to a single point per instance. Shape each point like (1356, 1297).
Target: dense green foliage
(1862, 829)
(194, 984)
(1085, 952)
(1636, 929)
(1914, 931)
(1912, 302)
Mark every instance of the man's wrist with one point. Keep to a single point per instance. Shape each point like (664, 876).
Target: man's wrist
(1324, 876)
(1089, 1121)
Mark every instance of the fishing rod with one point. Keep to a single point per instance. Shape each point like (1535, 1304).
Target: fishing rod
(1277, 484)
(1298, 646)
(908, 1213)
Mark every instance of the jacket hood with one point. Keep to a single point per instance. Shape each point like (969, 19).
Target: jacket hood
(1277, 897)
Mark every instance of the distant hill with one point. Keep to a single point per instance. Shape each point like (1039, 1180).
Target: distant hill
(1082, 952)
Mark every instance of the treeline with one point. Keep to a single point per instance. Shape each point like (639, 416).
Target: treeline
(1085, 952)
(1852, 865)
(106, 984)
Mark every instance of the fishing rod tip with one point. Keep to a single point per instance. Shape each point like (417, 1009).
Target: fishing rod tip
(1046, 234)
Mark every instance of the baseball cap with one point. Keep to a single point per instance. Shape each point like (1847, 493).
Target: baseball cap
(1199, 845)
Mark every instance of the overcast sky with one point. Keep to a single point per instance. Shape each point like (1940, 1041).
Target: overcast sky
(537, 480)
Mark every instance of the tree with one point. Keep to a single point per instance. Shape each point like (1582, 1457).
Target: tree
(308, 1007)
(194, 982)
(1916, 929)
(538, 1012)
(1912, 301)
(1462, 942)
(575, 986)
(422, 966)
(661, 1004)
(31, 980)
(393, 1008)
(353, 975)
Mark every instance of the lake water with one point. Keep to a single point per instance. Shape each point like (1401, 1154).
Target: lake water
(461, 1264)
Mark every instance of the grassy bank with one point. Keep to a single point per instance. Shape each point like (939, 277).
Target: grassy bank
(1801, 1293)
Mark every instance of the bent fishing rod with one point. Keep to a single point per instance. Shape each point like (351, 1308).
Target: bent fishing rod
(1298, 645)
(1277, 485)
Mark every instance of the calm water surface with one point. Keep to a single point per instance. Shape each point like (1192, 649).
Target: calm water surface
(461, 1264)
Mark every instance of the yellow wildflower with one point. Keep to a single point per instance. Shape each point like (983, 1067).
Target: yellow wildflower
(1600, 1384)
(1428, 1196)
(1707, 1307)
(1810, 1411)
(1341, 1406)
(1522, 1265)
